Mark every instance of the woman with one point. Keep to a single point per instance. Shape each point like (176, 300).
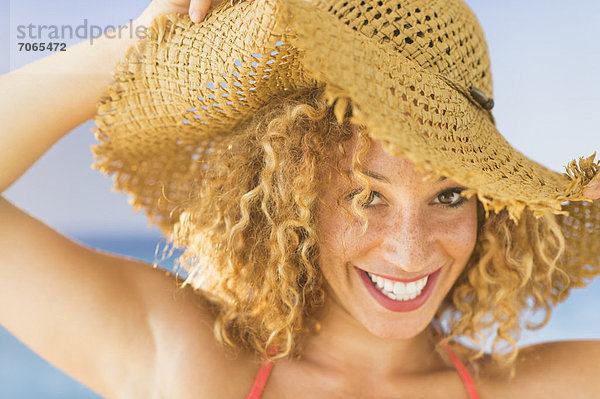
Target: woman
(346, 303)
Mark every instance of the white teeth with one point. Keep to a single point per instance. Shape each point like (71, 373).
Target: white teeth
(389, 285)
(397, 290)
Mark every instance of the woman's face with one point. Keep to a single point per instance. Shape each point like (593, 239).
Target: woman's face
(419, 238)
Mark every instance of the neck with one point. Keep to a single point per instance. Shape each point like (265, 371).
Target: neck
(342, 344)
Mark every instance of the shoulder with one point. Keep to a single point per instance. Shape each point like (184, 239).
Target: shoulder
(572, 360)
(581, 352)
(552, 370)
(189, 360)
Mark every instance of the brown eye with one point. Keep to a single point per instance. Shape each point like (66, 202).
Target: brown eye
(451, 197)
(373, 197)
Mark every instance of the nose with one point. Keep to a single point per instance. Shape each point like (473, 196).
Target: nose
(408, 242)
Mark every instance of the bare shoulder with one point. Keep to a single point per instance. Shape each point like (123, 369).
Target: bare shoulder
(189, 360)
(115, 324)
(552, 370)
(559, 353)
(568, 365)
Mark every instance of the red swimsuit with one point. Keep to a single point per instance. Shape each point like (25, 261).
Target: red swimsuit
(263, 375)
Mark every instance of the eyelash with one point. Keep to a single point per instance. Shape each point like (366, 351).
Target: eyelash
(457, 190)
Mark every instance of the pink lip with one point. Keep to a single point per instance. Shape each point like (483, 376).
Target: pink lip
(400, 306)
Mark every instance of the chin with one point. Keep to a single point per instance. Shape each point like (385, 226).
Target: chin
(385, 328)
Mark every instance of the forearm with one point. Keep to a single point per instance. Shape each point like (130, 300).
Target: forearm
(44, 100)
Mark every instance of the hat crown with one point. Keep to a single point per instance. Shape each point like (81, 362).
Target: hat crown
(443, 37)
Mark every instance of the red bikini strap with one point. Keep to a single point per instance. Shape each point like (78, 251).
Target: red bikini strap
(261, 379)
(460, 367)
(262, 376)
(464, 373)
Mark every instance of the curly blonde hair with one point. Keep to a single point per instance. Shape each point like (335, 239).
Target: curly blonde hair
(251, 246)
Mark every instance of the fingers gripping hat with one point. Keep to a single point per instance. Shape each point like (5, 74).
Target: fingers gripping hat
(415, 72)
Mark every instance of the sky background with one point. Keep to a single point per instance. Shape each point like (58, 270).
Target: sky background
(545, 59)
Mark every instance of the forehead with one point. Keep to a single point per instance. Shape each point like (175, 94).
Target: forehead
(380, 165)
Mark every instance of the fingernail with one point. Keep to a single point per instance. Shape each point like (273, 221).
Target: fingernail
(591, 192)
(196, 16)
(593, 188)
(594, 183)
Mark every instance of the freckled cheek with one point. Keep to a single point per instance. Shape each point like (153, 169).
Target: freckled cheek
(331, 235)
(338, 244)
(458, 237)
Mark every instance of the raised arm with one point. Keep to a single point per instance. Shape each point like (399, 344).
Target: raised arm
(44, 100)
(105, 320)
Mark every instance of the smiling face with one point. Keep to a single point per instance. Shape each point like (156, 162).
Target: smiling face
(420, 236)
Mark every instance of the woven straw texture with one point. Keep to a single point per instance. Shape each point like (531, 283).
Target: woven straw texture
(407, 66)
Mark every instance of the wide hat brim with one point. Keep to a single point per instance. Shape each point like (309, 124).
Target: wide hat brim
(180, 92)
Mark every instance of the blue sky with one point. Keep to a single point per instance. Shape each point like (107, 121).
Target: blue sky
(544, 55)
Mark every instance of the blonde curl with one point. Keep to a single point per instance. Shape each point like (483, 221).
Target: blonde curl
(251, 246)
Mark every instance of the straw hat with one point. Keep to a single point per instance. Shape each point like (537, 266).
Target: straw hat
(417, 73)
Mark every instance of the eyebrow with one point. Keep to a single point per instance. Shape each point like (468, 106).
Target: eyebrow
(382, 178)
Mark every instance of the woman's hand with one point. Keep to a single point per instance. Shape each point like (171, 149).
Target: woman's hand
(593, 188)
(197, 9)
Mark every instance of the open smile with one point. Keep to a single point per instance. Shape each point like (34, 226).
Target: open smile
(399, 295)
